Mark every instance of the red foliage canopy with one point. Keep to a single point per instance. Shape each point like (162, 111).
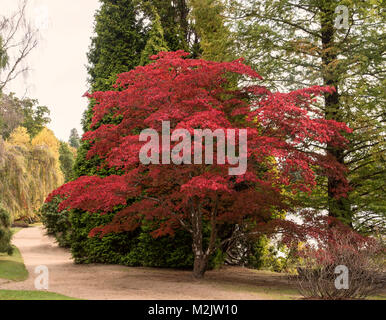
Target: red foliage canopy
(193, 94)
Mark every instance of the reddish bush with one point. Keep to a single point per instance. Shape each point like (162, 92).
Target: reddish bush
(338, 263)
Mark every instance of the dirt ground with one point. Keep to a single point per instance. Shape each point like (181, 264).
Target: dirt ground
(124, 283)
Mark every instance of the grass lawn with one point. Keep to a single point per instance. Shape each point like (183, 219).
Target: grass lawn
(12, 267)
(266, 286)
(276, 293)
(15, 230)
(266, 292)
(270, 286)
(31, 295)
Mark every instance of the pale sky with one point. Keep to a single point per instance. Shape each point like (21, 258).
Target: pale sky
(58, 76)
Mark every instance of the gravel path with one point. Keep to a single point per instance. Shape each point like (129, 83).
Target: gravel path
(119, 282)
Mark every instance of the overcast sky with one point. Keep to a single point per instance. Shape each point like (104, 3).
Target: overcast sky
(58, 75)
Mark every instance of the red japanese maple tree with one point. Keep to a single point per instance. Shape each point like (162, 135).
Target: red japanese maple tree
(191, 94)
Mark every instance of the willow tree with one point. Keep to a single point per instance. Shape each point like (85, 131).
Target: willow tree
(296, 43)
(29, 171)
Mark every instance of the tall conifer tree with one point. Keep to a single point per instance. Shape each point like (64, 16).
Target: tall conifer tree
(115, 48)
(156, 41)
(340, 44)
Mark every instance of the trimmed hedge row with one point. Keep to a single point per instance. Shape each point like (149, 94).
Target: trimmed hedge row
(137, 248)
(5, 231)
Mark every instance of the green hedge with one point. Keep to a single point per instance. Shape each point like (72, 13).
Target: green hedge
(137, 248)
(5, 232)
(56, 223)
(108, 249)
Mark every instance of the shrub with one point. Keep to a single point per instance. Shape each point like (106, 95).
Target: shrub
(330, 249)
(138, 248)
(166, 251)
(5, 232)
(264, 254)
(56, 223)
(109, 250)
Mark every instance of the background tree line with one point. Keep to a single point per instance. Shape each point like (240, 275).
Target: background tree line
(32, 160)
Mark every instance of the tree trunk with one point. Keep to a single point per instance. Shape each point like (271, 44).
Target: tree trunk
(199, 266)
(201, 255)
(338, 207)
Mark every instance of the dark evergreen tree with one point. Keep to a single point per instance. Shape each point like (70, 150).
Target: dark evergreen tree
(156, 40)
(177, 23)
(118, 42)
(116, 47)
(174, 19)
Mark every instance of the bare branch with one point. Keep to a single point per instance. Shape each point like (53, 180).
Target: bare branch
(19, 38)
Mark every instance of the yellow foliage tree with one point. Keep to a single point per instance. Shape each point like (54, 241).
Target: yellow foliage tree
(20, 137)
(46, 139)
(29, 171)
